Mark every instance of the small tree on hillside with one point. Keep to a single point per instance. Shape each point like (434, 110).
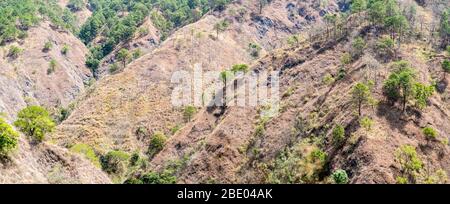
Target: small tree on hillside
(358, 47)
(123, 55)
(446, 66)
(360, 96)
(35, 122)
(221, 26)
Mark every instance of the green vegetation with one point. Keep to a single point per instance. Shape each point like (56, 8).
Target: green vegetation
(136, 53)
(430, 133)
(88, 153)
(402, 85)
(338, 134)
(410, 163)
(115, 162)
(446, 66)
(361, 96)
(16, 17)
(75, 5)
(166, 15)
(340, 177)
(48, 46)
(14, 52)
(302, 163)
(366, 123)
(165, 177)
(52, 66)
(157, 144)
(328, 79)
(65, 49)
(123, 56)
(254, 50)
(221, 26)
(189, 112)
(8, 138)
(358, 46)
(240, 68)
(35, 122)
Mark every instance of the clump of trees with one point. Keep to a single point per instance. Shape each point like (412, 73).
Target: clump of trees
(35, 122)
(410, 164)
(402, 86)
(8, 138)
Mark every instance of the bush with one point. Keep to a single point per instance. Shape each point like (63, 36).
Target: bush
(254, 49)
(8, 138)
(328, 79)
(366, 123)
(113, 68)
(14, 52)
(430, 133)
(409, 161)
(157, 144)
(65, 49)
(338, 134)
(346, 59)
(446, 66)
(88, 153)
(48, 46)
(154, 178)
(52, 66)
(189, 112)
(137, 53)
(35, 122)
(402, 180)
(115, 162)
(340, 177)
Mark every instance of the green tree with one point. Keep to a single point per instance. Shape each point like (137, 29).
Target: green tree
(338, 134)
(8, 138)
(386, 47)
(377, 12)
(421, 94)
(358, 46)
(157, 144)
(400, 84)
(115, 162)
(35, 122)
(340, 176)
(358, 6)
(444, 27)
(360, 96)
(123, 55)
(189, 112)
(52, 66)
(446, 66)
(221, 26)
(240, 68)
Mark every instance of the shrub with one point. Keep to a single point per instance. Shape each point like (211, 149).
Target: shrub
(35, 122)
(189, 112)
(340, 177)
(421, 94)
(341, 74)
(328, 79)
(113, 68)
(346, 59)
(154, 178)
(157, 143)
(430, 133)
(137, 53)
(409, 161)
(14, 52)
(446, 66)
(8, 138)
(402, 180)
(48, 46)
(52, 66)
(115, 162)
(88, 153)
(366, 123)
(255, 49)
(65, 49)
(338, 134)
(358, 46)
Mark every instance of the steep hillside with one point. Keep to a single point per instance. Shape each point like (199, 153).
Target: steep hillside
(139, 97)
(45, 67)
